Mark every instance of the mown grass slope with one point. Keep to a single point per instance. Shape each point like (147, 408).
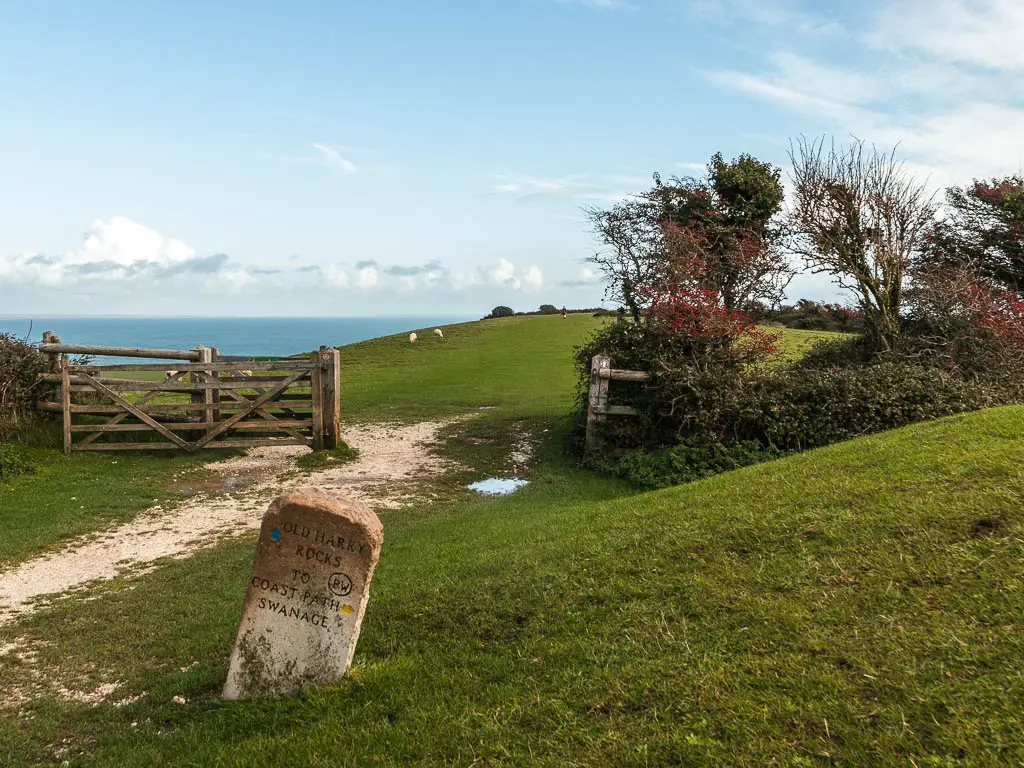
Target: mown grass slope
(522, 364)
(858, 604)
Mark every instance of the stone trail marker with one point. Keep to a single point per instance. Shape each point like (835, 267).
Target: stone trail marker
(307, 592)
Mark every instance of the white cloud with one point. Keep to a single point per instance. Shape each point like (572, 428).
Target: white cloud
(502, 273)
(233, 280)
(120, 257)
(533, 278)
(941, 79)
(588, 278)
(125, 242)
(119, 250)
(505, 274)
(366, 277)
(770, 13)
(578, 187)
(602, 5)
(325, 156)
(984, 33)
(331, 158)
(336, 276)
(692, 167)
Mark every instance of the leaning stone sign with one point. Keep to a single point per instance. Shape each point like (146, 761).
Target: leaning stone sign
(308, 589)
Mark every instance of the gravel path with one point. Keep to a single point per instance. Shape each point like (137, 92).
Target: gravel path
(392, 460)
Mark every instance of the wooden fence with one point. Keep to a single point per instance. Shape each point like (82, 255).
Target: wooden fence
(598, 409)
(203, 402)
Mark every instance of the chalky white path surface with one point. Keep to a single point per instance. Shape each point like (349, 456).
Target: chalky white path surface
(389, 456)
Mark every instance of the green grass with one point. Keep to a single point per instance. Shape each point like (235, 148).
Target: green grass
(521, 364)
(859, 604)
(67, 496)
(794, 343)
(331, 457)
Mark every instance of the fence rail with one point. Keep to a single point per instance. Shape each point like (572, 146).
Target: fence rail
(90, 349)
(206, 401)
(601, 373)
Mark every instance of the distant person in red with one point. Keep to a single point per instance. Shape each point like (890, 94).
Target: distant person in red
(565, 313)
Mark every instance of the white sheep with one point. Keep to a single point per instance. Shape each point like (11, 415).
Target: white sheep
(170, 375)
(437, 332)
(246, 373)
(412, 337)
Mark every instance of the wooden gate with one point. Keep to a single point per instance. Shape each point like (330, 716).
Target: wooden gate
(206, 401)
(601, 372)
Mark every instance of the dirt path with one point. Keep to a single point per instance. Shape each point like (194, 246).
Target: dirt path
(393, 460)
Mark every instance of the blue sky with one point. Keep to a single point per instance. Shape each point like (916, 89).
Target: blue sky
(347, 158)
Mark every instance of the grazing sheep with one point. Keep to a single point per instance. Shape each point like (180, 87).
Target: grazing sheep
(246, 373)
(437, 332)
(170, 375)
(412, 337)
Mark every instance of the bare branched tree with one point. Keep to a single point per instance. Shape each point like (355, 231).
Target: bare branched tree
(859, 216)
(631, 256)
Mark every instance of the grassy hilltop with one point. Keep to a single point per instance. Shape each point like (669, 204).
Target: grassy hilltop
(858, 604)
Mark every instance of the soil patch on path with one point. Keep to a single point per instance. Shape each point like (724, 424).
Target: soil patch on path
(393, 463)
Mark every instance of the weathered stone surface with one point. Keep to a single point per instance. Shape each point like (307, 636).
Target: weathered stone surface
(307, 592)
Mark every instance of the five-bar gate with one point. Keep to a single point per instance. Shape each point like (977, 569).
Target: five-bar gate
(205, 401)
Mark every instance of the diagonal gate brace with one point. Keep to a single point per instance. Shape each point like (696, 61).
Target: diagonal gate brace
(255, 405)
(271, 418)
(141, 415)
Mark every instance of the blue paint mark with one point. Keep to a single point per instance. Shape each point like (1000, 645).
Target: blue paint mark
(275, 535)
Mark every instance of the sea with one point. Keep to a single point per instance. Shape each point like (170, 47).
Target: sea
(248, 336)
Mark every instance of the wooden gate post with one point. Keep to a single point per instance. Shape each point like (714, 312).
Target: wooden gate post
(316, 385)
(65, 400)
(52, 358)
(206, 356)
(598, 399)
(331, 399)
(215, 394)
(205, 397)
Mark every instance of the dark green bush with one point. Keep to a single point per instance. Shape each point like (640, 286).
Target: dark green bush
(838, 392)
(501, 311)
(844, 352)
(634, 347)
(20, 365)
(691, 459)
(796, 408)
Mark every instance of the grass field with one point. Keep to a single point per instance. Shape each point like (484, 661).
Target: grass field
(860, 604)
(521, 366)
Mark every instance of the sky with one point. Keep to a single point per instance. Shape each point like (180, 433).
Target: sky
(406, 156)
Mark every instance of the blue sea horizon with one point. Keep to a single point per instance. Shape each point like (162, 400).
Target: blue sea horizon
(248, 336)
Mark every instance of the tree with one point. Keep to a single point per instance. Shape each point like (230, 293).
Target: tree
(711, 235)
(964, 320)
(983, 229)
(502, 311)
(858, 216)
(632, 255)
(711, 334)
(719, 233)
(548, 309)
